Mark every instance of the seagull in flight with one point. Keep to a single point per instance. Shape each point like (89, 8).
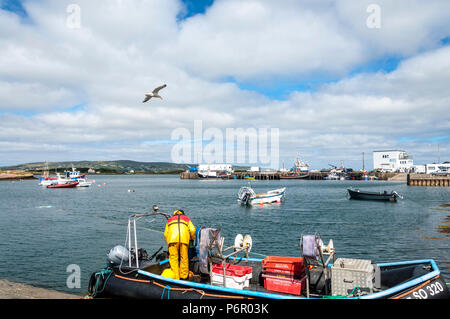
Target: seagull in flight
(154, 93)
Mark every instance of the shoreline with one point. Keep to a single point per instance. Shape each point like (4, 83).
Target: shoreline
(15, 177)
(14, 290)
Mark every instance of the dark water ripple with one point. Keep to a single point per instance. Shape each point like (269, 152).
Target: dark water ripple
(42, 231)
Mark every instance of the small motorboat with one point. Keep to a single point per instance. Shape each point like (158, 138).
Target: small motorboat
(381, 196)
(218, 274)
(83, 182)
(64, 185)
(247, 196)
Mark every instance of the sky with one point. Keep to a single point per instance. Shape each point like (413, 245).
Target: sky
(336, 78)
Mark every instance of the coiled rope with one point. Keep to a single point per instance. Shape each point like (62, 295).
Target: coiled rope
(104, 274)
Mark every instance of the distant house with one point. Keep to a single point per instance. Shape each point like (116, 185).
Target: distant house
(91, 171)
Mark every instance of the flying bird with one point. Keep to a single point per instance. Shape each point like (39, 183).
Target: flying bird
(154, 93)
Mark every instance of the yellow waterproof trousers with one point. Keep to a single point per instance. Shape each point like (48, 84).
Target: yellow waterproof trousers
(179, 260)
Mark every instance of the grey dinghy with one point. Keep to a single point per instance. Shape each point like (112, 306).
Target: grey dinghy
(131, 273)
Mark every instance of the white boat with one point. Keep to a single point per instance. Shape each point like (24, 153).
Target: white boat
(45, 179)
(300, 166)
(83, 182)
(333, 176)
(68, 177)
(247, 196)
(64, 179)
(214, 170)
(74, 175)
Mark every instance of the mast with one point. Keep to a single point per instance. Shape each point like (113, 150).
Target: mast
(363, 161)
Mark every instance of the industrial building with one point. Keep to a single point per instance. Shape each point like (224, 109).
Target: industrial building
(392, 161)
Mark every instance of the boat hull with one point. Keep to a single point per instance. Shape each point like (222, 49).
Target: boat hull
(274, 196)
(143, 284)
(65, 185)
(387, 197)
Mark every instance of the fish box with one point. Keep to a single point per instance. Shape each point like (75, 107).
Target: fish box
(236, 276)
(347, 274)
(284, 285)
(281, 265)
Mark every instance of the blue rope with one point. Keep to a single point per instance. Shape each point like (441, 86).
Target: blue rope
(168, 292)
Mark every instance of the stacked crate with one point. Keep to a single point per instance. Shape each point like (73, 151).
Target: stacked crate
(284, 274)
(235, 276)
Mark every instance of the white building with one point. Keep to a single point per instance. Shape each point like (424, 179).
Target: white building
(437, 168)
(392, 161)
(420, 169)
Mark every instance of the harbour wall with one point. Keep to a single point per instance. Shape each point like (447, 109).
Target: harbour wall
(428, 180)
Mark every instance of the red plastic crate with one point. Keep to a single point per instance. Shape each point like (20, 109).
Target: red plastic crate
(293, 266)
(232, 270)
(285, 285)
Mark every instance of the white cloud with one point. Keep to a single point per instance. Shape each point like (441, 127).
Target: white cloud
(126, 48)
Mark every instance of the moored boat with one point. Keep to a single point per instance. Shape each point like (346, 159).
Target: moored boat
(63, 185)
(247, 196)
(294, 176)
(130, 273)
(381, 196)
(45, 179)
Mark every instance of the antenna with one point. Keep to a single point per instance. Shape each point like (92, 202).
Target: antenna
(439, 156)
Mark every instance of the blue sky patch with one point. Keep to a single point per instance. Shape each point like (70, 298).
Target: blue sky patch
(193, 7)
(13, 6)
(433, 139)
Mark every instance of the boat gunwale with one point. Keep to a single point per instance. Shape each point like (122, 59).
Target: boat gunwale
(251, 293)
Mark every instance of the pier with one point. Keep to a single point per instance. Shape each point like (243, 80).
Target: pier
(428, 180)
(272, 175)
(15, 175)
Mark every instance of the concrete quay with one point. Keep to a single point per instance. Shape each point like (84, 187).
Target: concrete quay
(13, 290)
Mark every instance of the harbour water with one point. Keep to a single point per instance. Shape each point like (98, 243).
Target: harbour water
(43, 231)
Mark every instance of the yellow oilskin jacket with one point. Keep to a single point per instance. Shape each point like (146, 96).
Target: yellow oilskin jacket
(179, 229)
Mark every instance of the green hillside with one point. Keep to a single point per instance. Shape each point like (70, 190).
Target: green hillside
(113, 167)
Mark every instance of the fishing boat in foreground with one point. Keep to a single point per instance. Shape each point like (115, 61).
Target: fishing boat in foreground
(247, 196)
(381, 196)
(216, 273)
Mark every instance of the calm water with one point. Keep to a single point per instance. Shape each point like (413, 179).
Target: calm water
(42, 231)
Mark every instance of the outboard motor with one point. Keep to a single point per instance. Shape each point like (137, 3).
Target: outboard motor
(244, 194)
(118, 255)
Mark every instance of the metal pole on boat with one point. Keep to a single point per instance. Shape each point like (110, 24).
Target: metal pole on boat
(135, 243)
(129, 243)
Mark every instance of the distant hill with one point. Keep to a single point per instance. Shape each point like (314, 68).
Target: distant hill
(114, 167)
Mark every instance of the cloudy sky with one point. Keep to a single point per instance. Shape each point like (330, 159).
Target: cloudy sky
(337, 78)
